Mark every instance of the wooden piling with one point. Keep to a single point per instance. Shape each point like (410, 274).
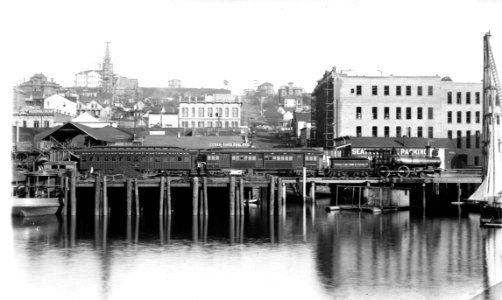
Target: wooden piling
(312, 191)
(423, 197)
(66, 208)
(161, 196)
(136, 196)
(232, 195)
(280, 199)
(304, 184)
(205, 210)
(105, 197)
(195, 196)
(272, 195)
(168, 204)
(241, 197)
(73, 194)
(129, 197)
(97, 194)
(459, 192)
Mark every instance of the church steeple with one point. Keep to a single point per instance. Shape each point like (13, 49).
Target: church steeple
(107, 72)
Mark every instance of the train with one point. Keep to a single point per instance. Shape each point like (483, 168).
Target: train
(174, 161)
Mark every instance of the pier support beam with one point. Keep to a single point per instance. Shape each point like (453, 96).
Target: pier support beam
(232, 195)
(205, 208)
(459, 192)
(241, 196)
(105, 197)
(312, 191)
(168, 204)
(424, 202)
(280, 195)
(195, 196)
(129, 196)
(136, 196)
(73, 193)
(66, 208)
(272, 196)
(161, 196)
(97, 196)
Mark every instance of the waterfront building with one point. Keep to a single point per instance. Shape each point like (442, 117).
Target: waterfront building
(291, 96)
(88, 79)
(61, 104)
(397, 106)
(213, 111)
(37, 89)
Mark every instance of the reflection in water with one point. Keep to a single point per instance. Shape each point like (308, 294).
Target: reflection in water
(305, 252)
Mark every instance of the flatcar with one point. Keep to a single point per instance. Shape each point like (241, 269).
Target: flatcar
(286, 161)
(170, 160)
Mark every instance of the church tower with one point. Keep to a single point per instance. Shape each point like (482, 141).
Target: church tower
(107, 72)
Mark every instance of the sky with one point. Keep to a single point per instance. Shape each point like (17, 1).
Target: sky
(203, 43)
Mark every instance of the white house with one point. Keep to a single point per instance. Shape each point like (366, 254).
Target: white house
(92, 107)
(163, 119)
(61, 105)
(90, 79)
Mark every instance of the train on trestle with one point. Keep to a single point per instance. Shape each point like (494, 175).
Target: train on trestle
(175, 161)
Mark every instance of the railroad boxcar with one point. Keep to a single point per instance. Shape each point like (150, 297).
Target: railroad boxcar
(237, 161)
(169, 160)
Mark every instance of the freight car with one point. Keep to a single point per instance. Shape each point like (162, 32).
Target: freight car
(286, 161)
(169, 160)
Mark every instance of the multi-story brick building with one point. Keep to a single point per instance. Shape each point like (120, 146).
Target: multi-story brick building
(218, 110)
(397, 106)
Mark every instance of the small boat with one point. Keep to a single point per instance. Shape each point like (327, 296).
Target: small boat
(251, 201)
(40, 195)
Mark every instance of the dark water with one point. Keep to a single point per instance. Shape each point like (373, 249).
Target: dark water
(307, 254)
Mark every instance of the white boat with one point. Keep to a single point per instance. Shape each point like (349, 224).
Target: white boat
(28, 207)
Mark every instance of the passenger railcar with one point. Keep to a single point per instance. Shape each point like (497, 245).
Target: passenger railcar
(169, 160)
(290, 161)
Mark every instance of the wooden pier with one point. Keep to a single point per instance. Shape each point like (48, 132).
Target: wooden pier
(269, 190)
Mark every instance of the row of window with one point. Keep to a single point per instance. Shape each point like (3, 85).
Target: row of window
(243, 157)
(398, 115)
(209, 124)
(467, 97)
(36, 124)
(468, 117)
(398, 90)
(398, 132)
(136, 159)
(468, 138)
(218, 112)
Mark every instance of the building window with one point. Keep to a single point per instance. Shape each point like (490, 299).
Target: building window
(468, 139)
(430, 132)
(459, 97)
(358, 131)
(408, 90)
(210, 112)
(476, 160)
(193, 124)
(430, 113)
(468, 98)
(398, 90)
(386, 113)
(419, 90)
(419, 113)
(398, 131)
(24, 124)
(477, 97)
(184, 112)
(226, 124)
(358, 112)
(459, 117)
(459, 139)
(478, 116)
(430, 90)
(386, 131)
(450, 117)
(398, 113)
(201, 112)
(227, 112)
(408, 113)
(36, 124)
(219, 112)
(235, 112)
(419, 132)
(450, 134)
(468, 117)
(374, 112)
(193, 112)
(200, 124)
(359, 90)
(450, 96)
(46, 123)
(386, 90)
(374, 90)
(374, 131)
(352, 91)
(408, 131)
(235, 124)
(209, 124)
(478, 138)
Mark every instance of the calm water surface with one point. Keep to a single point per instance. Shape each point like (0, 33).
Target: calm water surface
(308, 253)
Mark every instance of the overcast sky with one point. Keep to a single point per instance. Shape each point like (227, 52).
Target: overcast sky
(205, 42)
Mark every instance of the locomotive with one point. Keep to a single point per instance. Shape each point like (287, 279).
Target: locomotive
(387, 162)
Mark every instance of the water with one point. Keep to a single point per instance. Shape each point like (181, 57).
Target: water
(308, 254)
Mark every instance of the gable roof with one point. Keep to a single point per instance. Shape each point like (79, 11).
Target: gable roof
(85, 118)
(70, 130)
